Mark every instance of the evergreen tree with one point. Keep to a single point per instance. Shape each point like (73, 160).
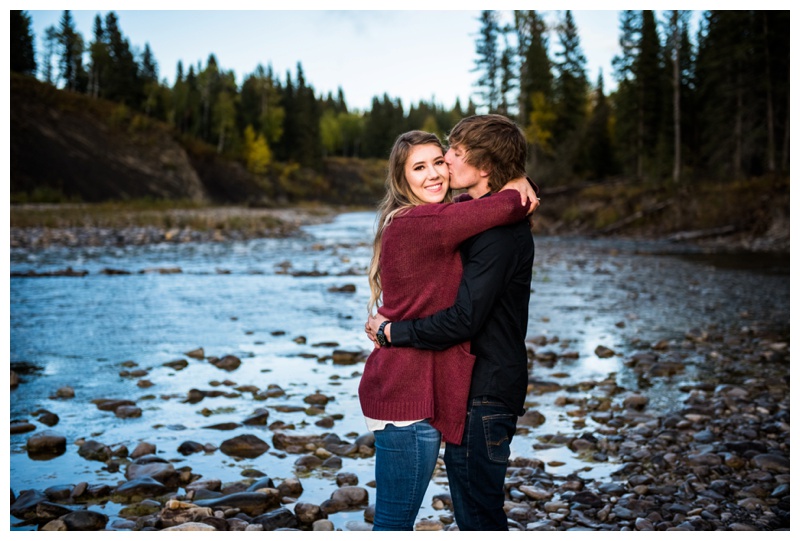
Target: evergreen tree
(488, 61)
(570, 95)
(536, 75)
(626, 97)
(71, 69)
(51, 45)
(651, 82)
(23, 59)
(99, 60)
(599, 159)
(123, 83)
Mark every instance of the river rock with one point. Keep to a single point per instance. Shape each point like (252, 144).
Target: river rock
(347, 498)
(85, 521)
(258, 418)
(198, 353)
(140, 509)
(190, 447)
(21, 427)
(277, 519)
(140, 487)
(65, 392)
(251, 503)
(111, 404)
(343, 357)
(46, 444)
(603, 352)
(228, 362)
(142, 449)
(323, 525)
(290, 487)
(14, 379)
(24, 506)
(318, 399)
(155, 467)
(177, 364)
(190, 527)
(244, 446)
(47, 417)
(128, 412)
(56, 525)
(94, 450)
(263, 482)
(772, 463)
(308, 513)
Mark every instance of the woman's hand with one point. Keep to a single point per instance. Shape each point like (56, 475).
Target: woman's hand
(526, 191)
(372, 325)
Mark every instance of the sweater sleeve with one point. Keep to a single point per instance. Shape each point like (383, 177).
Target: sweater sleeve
(484, 279)
(459, 221)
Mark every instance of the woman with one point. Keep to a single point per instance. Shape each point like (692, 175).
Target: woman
(415, 271)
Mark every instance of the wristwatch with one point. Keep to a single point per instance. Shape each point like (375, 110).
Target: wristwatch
(381, 336)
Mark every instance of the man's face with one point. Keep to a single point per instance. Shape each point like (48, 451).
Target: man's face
(464, 175)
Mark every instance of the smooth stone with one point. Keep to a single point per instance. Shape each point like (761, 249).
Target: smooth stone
(21, 427)
(245, 446)
(252, 503)
(24, 505)
(142, 487)
(308, 513)
(278, 519)
(142, 449)
(191, 527)
(85, 521)
(46, 444)
(94, 450)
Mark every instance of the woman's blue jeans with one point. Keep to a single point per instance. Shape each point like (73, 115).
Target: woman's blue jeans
(404, 461)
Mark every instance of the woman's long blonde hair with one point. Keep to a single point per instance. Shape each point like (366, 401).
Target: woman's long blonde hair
(398, 198)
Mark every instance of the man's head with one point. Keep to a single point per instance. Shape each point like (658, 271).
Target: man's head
(486, 151)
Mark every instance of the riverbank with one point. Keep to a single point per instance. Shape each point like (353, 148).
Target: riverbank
(225, 396)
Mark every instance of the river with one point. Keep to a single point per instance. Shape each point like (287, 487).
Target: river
(255, 299)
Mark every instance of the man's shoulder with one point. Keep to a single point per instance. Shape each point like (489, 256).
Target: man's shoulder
(511, 237)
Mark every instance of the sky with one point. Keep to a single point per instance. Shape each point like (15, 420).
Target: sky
(414, 54)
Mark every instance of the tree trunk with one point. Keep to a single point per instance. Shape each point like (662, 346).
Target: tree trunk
(676, 96)
(770, 118)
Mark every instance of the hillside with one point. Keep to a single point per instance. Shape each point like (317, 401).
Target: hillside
(70, 147)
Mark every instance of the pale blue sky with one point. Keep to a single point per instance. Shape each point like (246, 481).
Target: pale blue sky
(411, 54)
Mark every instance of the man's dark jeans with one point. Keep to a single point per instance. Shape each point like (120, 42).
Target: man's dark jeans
(476, 469)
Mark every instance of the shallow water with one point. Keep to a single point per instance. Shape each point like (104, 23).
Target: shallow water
(234, 298)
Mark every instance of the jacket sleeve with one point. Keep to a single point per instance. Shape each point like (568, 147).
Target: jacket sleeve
(482, 283)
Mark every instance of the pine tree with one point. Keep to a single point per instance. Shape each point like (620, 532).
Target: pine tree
(99, 60)
(23, 59)
(71, 69)
(536, 75)
(488, 61)
(570, 95)
(123, 74)
(600, 161)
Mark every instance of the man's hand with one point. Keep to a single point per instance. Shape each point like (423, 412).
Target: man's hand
(526, 191)
(371, 327)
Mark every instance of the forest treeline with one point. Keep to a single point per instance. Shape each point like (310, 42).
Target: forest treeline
(709, 106)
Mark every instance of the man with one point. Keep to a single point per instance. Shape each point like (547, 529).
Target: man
(491, 310)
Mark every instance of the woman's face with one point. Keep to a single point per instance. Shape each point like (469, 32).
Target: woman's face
(427, 174)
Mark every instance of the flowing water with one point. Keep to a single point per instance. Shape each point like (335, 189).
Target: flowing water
(253, 299)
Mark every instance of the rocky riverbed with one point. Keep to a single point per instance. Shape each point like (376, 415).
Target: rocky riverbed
(631, 423)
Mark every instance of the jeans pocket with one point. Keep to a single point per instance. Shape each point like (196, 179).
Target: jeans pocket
(498, 430)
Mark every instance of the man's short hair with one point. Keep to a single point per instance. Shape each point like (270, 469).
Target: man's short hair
(492, 143)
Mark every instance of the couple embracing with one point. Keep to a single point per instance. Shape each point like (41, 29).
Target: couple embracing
(450, 280)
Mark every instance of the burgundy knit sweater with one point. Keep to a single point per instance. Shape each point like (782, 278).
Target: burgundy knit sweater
(420, 273)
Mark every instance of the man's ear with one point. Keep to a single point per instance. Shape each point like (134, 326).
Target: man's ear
(484, 172)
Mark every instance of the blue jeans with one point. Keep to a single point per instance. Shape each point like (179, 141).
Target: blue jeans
(476, 469)
(404, 462)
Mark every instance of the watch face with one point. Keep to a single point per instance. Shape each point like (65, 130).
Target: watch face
(381, 338)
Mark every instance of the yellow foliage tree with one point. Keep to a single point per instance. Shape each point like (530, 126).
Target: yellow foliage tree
(541, 120)
(258, 154)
